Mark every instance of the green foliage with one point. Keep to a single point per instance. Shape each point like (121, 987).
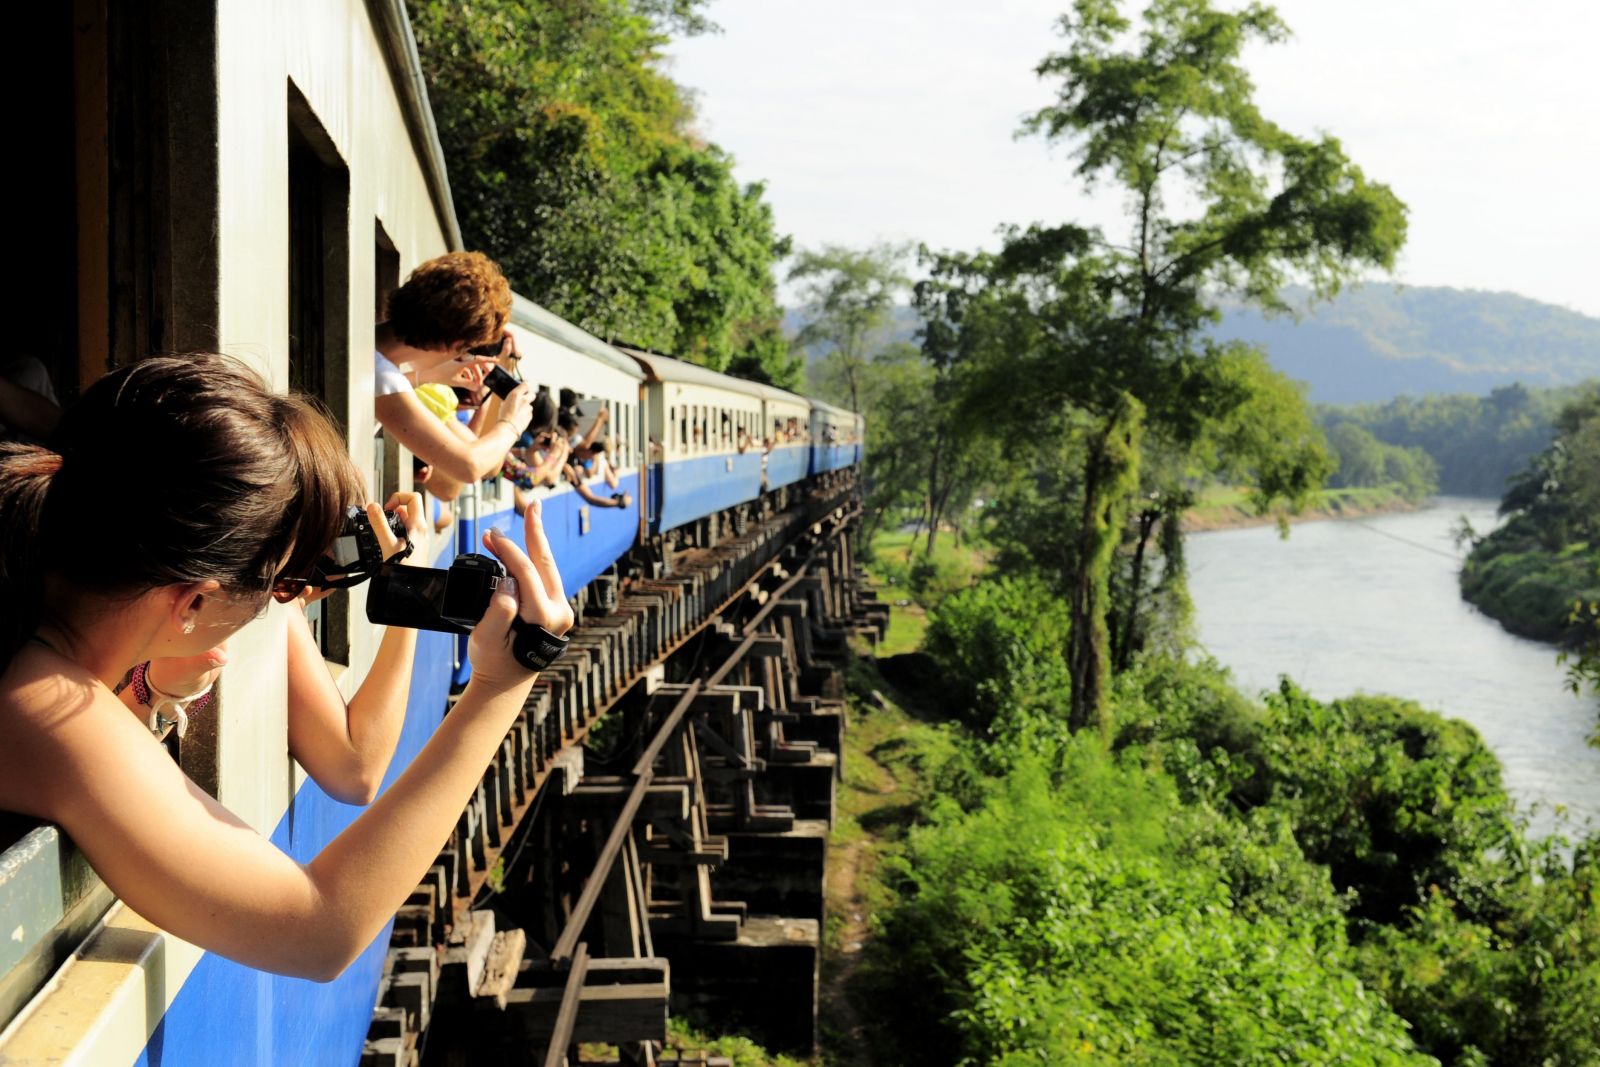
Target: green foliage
(1366, 462)
(1392, 798)
(1082, 915)
(573, 164)
(999, 645)
(740, 1051)
(1533, 571)
(1523, 988)
(1477, 442)
(1166, 899)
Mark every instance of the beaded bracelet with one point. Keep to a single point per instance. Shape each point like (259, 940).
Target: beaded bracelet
(146, 693)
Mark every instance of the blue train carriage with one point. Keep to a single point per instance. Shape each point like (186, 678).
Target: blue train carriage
(293, 114)
(787, 425)
(588, 540)
(705, 440)
(836, 438)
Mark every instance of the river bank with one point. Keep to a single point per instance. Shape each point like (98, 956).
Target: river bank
(1376, 607)
(1228, 508)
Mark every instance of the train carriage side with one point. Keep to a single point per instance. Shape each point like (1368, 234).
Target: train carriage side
(303, 112)
(833, 438)
(704, 431)
(587, 539)
(786, 424)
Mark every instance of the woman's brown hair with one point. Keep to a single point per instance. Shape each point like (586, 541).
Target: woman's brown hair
(175, 469)
(459, 297)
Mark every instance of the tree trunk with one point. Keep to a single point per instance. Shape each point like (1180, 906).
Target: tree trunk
(1111, 474)
(1122, 652)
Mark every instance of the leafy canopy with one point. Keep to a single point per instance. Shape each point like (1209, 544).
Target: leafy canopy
(574, 163)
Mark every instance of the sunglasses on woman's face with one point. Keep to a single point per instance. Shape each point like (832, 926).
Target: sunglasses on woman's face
(492, 350)
(286, 589)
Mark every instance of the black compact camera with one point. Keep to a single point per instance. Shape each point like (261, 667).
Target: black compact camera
(453, 601)
(500, 383)
(426, 598)
(355, 553)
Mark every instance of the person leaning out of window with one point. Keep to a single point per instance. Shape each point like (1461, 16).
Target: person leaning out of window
(253, 491)
(448, 307)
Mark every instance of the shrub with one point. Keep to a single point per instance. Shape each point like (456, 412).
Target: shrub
(998, 648)
(1393, 798)
(1081, 915)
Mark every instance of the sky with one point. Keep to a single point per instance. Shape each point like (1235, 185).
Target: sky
(894, 120)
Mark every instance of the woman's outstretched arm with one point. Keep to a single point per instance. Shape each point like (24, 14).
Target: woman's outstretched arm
(71, 753)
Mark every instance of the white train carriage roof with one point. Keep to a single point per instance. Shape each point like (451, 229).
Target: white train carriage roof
(773, 393)
(659, 368)
(843, 414)
(535, 319)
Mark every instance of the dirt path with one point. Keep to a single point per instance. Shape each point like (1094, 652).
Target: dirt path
(873, 801)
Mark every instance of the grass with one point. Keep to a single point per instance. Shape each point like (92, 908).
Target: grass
(890, 572)
(1229, 505)
(887, 747)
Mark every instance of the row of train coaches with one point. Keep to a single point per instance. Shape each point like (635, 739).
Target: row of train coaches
(280, 172)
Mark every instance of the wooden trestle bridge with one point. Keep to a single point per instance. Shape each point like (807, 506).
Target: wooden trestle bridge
(668, 857)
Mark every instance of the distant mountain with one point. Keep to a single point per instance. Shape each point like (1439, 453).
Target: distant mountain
(1376, 342)
(1380, 341)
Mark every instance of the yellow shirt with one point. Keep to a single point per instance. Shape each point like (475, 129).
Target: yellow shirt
(439, 399)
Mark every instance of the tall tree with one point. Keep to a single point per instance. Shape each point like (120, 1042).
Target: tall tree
(847, 296)
(574, 163)
(1221, 201)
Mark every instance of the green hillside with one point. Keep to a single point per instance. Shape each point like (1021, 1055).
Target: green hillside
(1380, 341)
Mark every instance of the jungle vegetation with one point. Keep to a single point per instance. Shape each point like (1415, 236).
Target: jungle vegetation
(1114, 857)
(1476, 443)
(574, 162)
(1539, 573)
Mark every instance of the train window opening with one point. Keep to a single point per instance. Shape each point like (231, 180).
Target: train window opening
(319, 306)
(385, 280)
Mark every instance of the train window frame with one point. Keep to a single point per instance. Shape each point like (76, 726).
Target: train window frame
(318, 313)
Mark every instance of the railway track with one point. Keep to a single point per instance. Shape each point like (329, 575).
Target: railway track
(678, 863)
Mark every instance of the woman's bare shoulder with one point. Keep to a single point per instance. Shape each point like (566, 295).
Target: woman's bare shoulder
(57, 719)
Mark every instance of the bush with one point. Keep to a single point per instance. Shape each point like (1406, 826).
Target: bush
(1522, 989)
(1082, 915)
(1393, 798)
(998, 648)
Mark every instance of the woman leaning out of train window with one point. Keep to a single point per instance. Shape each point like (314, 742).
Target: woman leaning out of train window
(449, 307)
(253, 490)
(344, 746)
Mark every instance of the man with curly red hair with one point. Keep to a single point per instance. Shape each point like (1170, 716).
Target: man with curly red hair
(447, 325)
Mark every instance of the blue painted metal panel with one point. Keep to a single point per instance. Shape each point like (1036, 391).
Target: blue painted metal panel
(580, 557)
(227, 1013)
(694, 488)
(826, 458)
(787, 464)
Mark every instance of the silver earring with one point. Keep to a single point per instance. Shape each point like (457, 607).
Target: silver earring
(188, 627)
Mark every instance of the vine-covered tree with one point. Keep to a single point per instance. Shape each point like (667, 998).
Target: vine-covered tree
(1221, 201)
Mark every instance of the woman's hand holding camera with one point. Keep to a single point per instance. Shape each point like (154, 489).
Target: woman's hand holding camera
(533, 593)
(414, 514)
(517, 408)
(467, 373)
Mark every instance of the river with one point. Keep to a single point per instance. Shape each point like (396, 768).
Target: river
(1372, 605)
